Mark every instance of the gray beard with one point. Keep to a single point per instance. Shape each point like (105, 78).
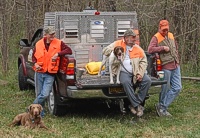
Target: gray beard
(130, 44)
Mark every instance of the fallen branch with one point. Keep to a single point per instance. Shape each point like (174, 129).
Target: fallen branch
(191, 78)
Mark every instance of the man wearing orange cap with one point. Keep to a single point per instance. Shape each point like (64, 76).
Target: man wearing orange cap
(164, 44)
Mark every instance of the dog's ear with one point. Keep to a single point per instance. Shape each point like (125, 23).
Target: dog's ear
(115, 50)
(41, 108)
(29, 108)
(122, 49)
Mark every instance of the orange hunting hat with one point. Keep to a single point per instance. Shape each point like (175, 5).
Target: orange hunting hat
(164, 24)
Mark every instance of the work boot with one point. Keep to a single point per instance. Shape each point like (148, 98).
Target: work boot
(159, 111)
(140, 110)
(132, 109)
(166, 113)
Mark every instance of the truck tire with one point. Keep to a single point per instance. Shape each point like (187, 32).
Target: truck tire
(22, 80)
(53, 104)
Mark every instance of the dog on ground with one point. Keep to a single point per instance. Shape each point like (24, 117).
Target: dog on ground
(113, 59)
(31, 118)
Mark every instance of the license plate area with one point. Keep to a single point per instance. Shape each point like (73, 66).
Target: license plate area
(113, 90)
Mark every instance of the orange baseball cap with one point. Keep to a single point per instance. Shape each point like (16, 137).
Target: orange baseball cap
(164, 24)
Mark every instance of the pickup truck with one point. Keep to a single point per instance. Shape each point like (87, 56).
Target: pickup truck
(87, 33)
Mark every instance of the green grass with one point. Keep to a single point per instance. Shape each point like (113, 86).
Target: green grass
(96, 120)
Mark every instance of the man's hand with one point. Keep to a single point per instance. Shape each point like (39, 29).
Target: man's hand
(55, 57)
(166, 48)
(38, 67)
(139, 77)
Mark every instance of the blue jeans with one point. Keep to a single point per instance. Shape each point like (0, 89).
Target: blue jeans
(144, 85)
(170, 90)
(43, 87)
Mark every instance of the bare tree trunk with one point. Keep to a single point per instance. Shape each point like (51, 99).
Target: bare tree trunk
(4, 38)
(27, 23)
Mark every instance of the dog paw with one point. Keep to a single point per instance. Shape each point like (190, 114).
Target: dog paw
(111, 82)
(118, 82)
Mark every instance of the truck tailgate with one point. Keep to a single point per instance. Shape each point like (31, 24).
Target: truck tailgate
(103, 82)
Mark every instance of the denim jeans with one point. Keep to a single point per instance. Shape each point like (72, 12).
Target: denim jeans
(43, 87)
(144, 85)
(170, 90)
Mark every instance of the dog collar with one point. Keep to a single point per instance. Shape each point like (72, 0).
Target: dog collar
(32, 120)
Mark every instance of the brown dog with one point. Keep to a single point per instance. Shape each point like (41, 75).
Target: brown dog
(116, 55)
(30, 119)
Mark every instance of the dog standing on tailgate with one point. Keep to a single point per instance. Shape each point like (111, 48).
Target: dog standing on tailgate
(116, 54)
(30, 119)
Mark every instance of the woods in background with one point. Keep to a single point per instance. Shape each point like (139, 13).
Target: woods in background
(20, 18)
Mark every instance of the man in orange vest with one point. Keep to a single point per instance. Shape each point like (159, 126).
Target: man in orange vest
(46, 58)
(133, 70)
(164, 44)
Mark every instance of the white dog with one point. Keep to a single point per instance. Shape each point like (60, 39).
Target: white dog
(116, 54)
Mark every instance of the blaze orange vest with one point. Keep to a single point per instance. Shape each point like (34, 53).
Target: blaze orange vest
(161, 38)
(44, 57)
(135, 52)
(167, 57)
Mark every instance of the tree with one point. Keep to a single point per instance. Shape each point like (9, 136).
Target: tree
(20, 18)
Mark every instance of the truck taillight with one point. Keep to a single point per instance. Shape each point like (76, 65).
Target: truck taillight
(67, 67)
(70, 71)
(158, 64)
(70, 67)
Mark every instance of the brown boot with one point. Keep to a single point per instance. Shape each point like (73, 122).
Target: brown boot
(140, 110)
(132, 109)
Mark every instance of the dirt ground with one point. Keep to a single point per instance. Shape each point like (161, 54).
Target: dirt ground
(3, 82)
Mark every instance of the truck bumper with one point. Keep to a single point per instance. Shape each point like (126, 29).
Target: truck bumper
(74, 92)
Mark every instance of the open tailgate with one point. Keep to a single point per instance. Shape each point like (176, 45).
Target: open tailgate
(103, 82)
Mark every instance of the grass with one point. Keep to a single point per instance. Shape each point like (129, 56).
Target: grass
(96, 120)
